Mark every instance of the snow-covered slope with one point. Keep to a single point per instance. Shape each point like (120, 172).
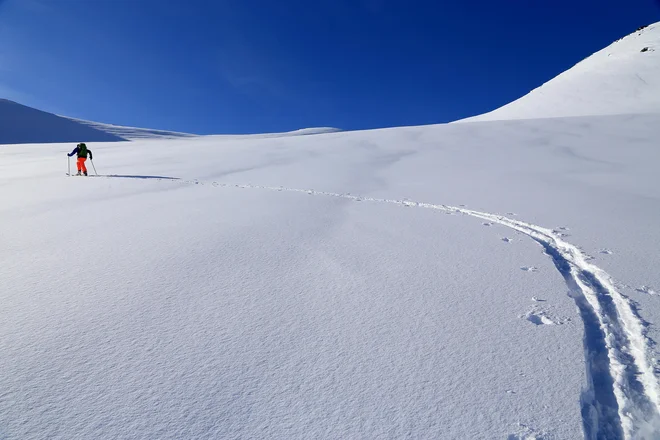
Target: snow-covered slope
(132, 133)
(623, 78)
(335, 286)
(461, 281)
(20, 124)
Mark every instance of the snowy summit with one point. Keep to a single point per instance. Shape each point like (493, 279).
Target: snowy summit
(461, 281)
(620, 79)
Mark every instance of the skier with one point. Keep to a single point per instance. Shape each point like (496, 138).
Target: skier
(82, 151)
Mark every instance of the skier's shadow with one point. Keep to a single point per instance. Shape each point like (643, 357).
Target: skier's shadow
(124, 176)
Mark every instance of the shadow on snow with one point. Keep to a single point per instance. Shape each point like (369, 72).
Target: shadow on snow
(123, 176)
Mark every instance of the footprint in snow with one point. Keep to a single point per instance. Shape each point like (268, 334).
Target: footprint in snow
(487, 224)
(539, 318)
(647, 290)
(542, 316)
(507, 239)
(524, 432)
(606, 252)
(538, 299)
(529, 269)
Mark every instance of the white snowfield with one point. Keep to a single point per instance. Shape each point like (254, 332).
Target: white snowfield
(464, 281)
(623, 78)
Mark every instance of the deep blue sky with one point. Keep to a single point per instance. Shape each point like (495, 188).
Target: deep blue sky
(250, 66)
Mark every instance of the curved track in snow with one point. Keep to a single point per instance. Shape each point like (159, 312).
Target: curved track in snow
(623, 397)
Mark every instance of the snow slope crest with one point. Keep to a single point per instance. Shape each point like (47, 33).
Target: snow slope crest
(20, 124)
(131, 133)
(620, 79)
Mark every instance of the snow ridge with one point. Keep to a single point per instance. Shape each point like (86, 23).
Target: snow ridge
(619, 79)
(131, 133)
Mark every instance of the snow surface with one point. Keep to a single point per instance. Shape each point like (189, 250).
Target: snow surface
(476, 280)
(620, 79)
(332, 286)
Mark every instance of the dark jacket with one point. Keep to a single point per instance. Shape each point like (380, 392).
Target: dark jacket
(77, 151)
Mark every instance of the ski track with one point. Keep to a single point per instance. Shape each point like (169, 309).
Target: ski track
(622, 400)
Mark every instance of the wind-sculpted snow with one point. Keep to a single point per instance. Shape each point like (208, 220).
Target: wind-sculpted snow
(623, 399)
(132, 133)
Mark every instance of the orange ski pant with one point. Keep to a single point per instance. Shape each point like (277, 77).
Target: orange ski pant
(81, 164)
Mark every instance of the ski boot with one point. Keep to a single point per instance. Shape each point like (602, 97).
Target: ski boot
(85, 173)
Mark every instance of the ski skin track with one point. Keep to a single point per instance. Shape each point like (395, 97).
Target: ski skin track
(630, 373)
(622, 330)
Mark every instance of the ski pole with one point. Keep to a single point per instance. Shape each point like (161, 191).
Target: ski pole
(93, 167)
(68, 165)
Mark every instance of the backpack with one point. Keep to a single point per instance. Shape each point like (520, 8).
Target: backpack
(82, 150)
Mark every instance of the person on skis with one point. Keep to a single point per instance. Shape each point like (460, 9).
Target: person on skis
(82, 151)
